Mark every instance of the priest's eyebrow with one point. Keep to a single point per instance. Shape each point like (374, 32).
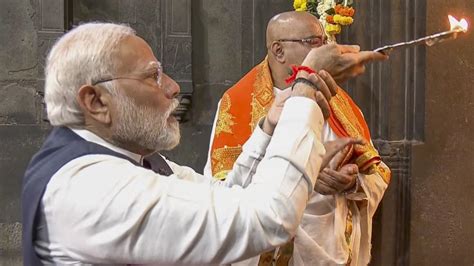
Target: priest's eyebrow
(322, 37)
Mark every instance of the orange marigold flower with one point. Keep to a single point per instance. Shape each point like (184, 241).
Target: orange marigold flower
(330, 19)
(348, 12)
(352, 12)
(344, 10)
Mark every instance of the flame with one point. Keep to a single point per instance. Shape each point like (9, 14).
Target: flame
(457, 25)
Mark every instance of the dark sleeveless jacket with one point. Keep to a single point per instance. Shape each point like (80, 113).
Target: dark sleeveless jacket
(61, 146)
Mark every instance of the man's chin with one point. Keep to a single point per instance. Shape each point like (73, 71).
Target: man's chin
(173, 140)
(173, 125)
(169, 146)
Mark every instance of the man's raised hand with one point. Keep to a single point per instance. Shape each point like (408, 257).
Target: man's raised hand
(323, 88)
(341, 61)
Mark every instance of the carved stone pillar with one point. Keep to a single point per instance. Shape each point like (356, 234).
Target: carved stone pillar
(391, 228)
(177, 47)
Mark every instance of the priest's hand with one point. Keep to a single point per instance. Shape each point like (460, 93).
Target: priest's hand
(341, 61)
(332, 181)
(334, 178)
(335, 149)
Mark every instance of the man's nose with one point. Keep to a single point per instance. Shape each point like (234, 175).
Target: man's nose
(170, 86)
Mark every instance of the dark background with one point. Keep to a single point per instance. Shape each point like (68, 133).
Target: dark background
(419, 105)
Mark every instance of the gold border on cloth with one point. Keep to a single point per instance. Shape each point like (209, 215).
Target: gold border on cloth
(262, 96)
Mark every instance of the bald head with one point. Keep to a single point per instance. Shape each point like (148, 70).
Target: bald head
(290, 37)
(293, 25)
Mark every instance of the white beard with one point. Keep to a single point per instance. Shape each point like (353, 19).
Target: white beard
(145, 126)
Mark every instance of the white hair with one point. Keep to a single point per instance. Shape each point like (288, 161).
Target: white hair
(82, 56)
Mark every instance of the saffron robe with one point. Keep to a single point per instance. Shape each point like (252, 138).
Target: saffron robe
(335, 229)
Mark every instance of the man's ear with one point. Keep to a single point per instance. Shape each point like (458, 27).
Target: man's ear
(278, 52)
(95, 102)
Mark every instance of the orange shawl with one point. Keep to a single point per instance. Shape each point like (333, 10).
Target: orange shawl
(249, 99)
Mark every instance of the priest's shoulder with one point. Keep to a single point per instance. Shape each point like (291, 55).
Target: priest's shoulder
(244, 87)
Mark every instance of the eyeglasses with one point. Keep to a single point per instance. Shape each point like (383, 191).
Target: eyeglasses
(312, 41)
(156, 75)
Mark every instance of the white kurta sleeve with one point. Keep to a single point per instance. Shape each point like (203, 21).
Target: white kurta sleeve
(245, 165)
(102, 209)
(244, 168)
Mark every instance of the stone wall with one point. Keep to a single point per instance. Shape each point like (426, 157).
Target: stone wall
(442, 212)
(21, 129)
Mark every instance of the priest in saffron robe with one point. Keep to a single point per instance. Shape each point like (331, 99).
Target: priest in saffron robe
(337, 224)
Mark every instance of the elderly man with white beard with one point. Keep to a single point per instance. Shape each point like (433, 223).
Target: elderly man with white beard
(89, 197)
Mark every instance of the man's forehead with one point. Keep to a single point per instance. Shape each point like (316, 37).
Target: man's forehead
(299, 28)
(136, 55)
(312, 27)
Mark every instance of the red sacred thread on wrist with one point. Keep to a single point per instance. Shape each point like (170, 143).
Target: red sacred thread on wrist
(297, 69)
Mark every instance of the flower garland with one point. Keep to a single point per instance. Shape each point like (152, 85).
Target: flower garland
(332, 13)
